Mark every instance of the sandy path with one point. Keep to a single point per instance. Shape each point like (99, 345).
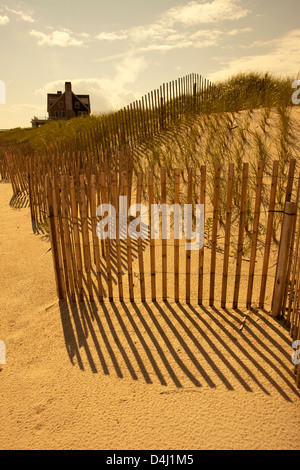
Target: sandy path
(159, 376)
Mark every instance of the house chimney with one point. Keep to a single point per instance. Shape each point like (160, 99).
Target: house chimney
(68, 96)
(58, 93)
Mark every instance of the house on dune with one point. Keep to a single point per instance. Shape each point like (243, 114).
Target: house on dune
(65, 105)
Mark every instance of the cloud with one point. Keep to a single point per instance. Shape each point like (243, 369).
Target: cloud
(137, 34)
(205, 13)
(112, 36)
(111, 57)
(198, 40)
(22, 16)
(85, 35)
(3, 20)
(175, 28)
(181, 40)
(130, 68)
(235, 32)
(106, 94)
(150, 32)
(282, 58)
(63, 38)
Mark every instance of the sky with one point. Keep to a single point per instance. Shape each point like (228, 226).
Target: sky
(119, 50)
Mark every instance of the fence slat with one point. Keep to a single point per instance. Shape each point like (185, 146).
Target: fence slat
(260, 171)
(188, 252)
(85, 236)
(176, 239)
(268, 234)
(152, 240)
(66, 237)
(201, 252)
(95, 237)
(241, 235)
(163, 175)
(76, 237)
(128, 241)
(107, 240)
(59, 230)
(227, 234)
(214, 235)
(54, 246)
(140, 240)
(118, 246)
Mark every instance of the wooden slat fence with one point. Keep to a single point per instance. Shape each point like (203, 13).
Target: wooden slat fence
(251, 254)
(128, 269)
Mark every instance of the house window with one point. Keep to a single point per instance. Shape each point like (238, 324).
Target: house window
(56, 114)
(77, 105)
(61, 104)
(63, 114)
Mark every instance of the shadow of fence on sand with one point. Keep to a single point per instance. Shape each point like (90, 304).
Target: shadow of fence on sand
(181, 346)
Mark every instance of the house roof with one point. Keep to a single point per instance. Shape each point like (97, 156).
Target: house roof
(53, 98)
(85, 99)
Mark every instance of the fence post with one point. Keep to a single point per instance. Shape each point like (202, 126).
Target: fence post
(291, 251)
(282, 262)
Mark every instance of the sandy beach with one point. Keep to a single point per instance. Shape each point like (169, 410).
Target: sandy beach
(133, 376)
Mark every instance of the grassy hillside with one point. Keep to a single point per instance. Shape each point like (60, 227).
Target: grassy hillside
(241, 92)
